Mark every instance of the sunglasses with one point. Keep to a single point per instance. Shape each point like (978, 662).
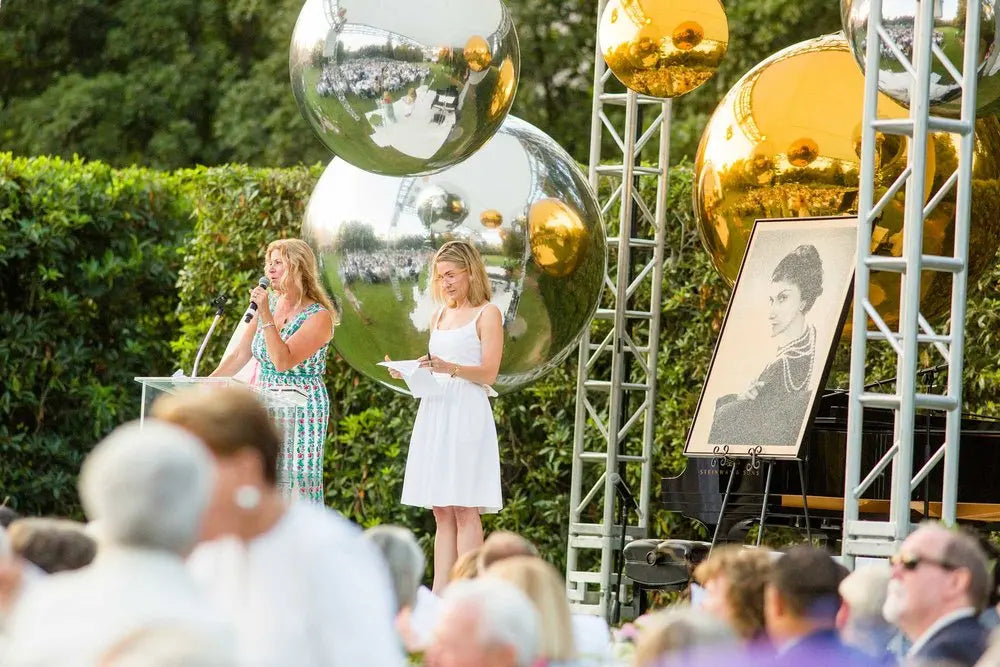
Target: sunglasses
(910, 562)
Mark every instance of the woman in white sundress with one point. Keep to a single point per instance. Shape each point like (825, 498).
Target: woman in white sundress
(453, 466)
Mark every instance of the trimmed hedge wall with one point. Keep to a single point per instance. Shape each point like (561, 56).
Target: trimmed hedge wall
(95, 260)
(88, 265)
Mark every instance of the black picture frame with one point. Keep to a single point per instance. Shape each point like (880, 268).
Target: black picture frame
(792, 267)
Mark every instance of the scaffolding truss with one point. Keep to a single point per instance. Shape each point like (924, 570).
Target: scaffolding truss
(616, 371)
(870, 538)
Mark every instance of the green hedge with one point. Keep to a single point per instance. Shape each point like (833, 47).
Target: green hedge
(88, 266)
(95, 260)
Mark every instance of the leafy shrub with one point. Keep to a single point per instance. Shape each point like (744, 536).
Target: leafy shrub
(88, 262)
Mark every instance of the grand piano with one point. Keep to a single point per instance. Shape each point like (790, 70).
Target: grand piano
(698, 492)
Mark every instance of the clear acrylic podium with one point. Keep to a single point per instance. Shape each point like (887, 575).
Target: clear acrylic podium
(272, 397)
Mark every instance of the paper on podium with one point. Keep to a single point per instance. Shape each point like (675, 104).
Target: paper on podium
(420, 381)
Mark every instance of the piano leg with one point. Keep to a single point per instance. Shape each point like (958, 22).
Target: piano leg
(805, 499)
(763, 505)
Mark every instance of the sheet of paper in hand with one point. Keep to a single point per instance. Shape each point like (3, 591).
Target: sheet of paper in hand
(420, 381)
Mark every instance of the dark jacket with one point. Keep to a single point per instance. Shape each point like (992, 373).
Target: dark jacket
(823, 649)
(961, 642)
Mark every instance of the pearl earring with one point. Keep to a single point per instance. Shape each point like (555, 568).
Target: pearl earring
(247, 497)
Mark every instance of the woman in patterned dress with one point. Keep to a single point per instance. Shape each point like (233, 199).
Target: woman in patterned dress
(289, 335)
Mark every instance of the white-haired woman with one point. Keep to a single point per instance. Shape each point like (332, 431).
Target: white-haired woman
(453, 465)
(289, 336)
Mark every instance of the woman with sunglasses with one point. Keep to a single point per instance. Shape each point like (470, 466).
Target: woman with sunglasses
(453, 465)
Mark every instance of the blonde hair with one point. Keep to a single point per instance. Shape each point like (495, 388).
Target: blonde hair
(464, 255)
(547, 591)
(301, 268)
(747, 570)
(227, 420)
(681, 633)
(466, 567)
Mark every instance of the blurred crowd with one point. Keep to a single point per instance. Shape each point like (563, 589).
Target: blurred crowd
(371, 77)
(378, 267)
(190, 556)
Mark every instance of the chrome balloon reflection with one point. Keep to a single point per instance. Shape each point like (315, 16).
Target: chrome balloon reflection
(520, 199)
(949, 34)
(400, 87)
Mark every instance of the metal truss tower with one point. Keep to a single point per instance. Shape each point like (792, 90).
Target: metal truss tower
(616, 381)
(882, 538)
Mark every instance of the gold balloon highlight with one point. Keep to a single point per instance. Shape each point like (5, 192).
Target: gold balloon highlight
(491, 219)
(503, 94)
(477, 53)
(785, 142)
(557, 236)
(664, 48)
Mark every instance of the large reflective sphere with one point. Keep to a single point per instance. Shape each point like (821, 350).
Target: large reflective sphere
(785, 142)
(949, 34)
(520, 199)
(404, 87)
(664, 48)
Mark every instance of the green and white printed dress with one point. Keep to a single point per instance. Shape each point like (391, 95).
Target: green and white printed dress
(300, 463)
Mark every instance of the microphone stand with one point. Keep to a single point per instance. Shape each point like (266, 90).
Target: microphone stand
(220, 305)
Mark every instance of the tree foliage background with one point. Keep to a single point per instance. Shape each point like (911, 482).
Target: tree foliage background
(174, 83)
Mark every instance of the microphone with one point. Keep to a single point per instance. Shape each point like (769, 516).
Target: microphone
(263, 282)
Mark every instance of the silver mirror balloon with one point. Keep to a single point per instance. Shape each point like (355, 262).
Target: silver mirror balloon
(521, 200)
(949, 34)
(404, 87)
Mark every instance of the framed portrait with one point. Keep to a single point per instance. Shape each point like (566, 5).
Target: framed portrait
(782, 325)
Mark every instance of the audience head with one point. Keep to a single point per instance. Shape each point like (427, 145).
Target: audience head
(860, 621)
(485, 622)
(405, 559)
(244, 442)
(546, 589)
(936, 572)
(53, 545)
(734, 578)
(682, 635)
(7, 516)
(466, 567)
(147, 486)
(802, 594)
(502, 544)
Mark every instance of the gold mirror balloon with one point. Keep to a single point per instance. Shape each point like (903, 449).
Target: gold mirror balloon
(557, 235)
(491, 218)
(785, 142)
(477, 53)
(664, 48)
(949, 33)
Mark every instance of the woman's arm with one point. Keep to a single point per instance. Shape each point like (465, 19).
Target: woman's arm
(490, 330)
(240, 354)
(314, 333)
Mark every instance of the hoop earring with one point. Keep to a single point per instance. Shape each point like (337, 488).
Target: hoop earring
(247, 497)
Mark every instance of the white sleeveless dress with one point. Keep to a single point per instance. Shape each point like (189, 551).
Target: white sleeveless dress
(454, 458)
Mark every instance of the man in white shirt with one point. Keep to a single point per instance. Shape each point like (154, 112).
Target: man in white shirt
(940, 582)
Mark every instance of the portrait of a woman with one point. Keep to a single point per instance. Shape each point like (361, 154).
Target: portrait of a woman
(770, 411)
